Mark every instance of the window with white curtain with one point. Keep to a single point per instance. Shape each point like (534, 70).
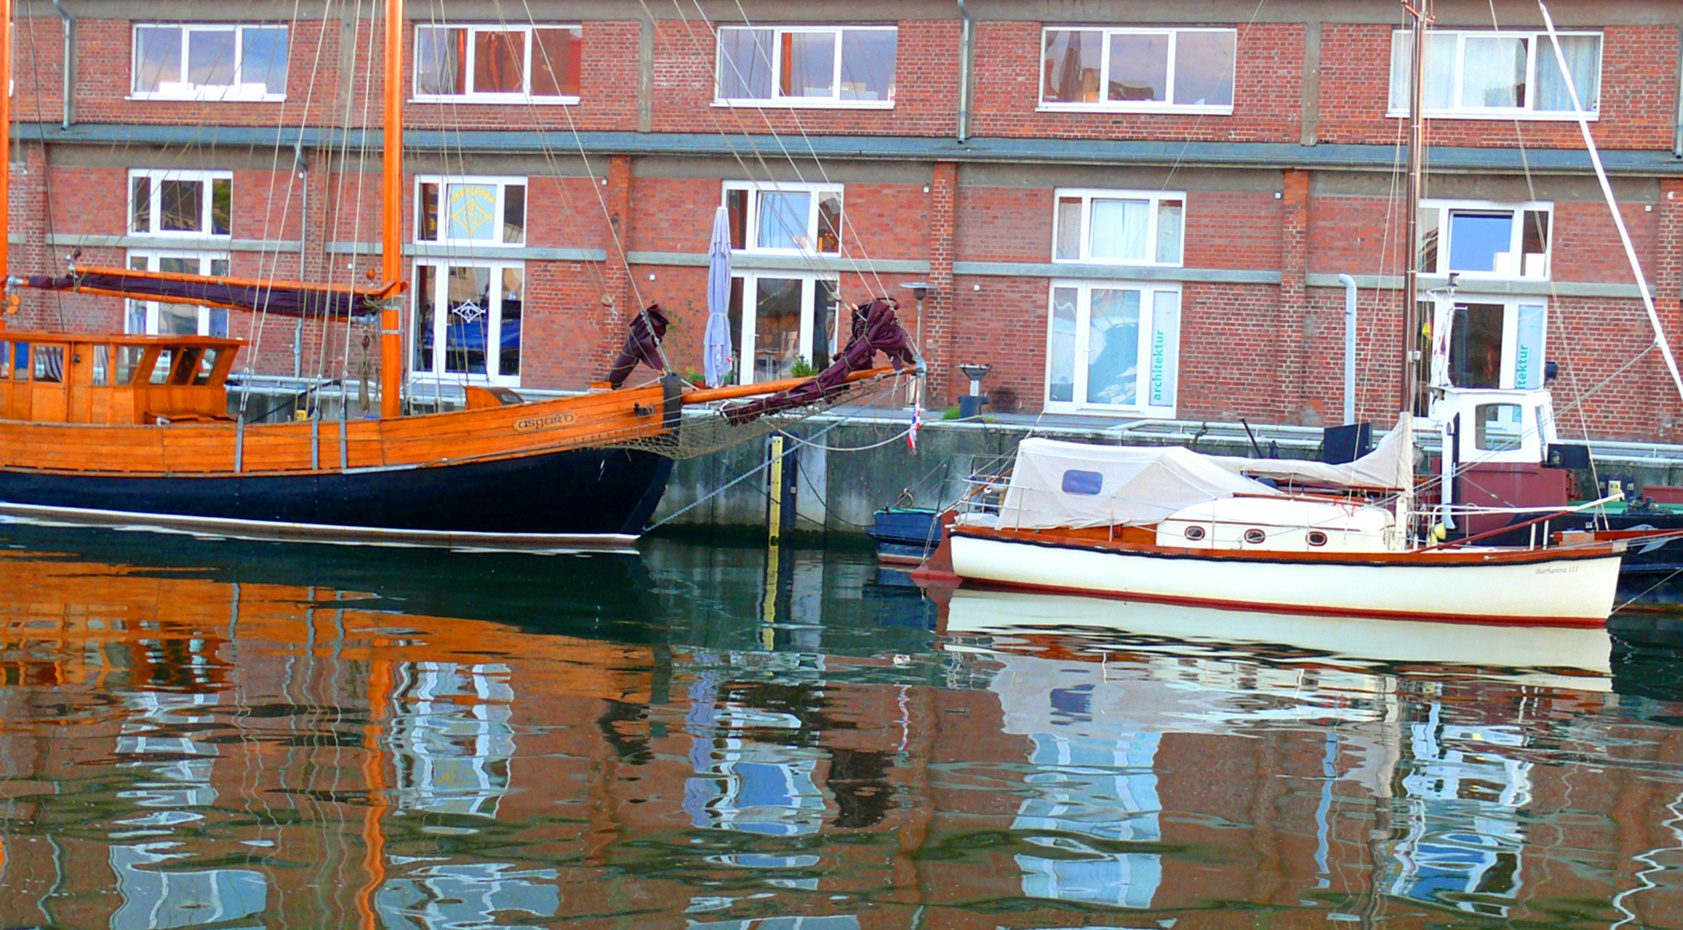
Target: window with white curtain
(1500, 74)
(1118, 227)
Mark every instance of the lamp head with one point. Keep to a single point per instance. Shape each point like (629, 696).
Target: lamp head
(919, 289)
(975, 372)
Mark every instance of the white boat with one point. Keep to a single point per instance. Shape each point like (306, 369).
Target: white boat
(1171, 525)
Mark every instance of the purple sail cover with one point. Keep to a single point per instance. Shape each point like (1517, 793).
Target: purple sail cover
(286, 301)
(876, 328)
(642, 344)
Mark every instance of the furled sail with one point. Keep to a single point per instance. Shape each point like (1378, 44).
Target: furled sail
(282, 297)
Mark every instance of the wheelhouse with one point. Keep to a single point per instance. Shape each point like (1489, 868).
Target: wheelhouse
(100, 378)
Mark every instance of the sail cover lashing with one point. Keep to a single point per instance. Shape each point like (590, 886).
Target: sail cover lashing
(284, 298)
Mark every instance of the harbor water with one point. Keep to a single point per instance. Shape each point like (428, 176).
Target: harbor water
(220, 734)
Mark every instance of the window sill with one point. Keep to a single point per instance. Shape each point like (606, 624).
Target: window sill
(209, 97)
(1527, 116)
(786, 103)
(1160, 109)
(503, 100)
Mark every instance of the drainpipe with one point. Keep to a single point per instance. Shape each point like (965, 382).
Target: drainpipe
(963, 75)
(69, 62)
(1349, 347)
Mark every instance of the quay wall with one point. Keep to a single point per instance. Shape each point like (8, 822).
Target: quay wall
(848, 468)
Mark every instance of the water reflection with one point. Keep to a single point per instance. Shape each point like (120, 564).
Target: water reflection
(203, 733)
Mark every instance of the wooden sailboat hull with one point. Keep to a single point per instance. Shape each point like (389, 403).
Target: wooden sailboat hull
(1557, 586)
(539, 474)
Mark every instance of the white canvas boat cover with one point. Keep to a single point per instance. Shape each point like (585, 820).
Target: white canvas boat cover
(1071, 484)
(1390, 466)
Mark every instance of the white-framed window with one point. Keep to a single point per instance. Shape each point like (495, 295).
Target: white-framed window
(1506, 74)
(1494, 341)
(1485, 240)
(787, 324)
(1113, 346)
(466, 322)
(787, 219)
(203, 61)
(498, 64)
(829, 66)
(470, 210)
(1143, 70)
(153, 318)
(1119, 227)
(166, 202)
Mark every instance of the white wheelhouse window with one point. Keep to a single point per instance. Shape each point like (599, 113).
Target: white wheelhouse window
(196, 204)
(498, 64)
(1506, 74)
(202, 61)
(784, 219)
(470, 210)
(1138, 70)
(1119, 227)
(833, 66)
(1485, 240)
(1113, 347)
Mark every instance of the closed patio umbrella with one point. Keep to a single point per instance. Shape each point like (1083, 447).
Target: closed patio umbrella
(716, 360)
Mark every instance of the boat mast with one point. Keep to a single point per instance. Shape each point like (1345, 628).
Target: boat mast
(1411, 217)
(391, 225)
(5, 151)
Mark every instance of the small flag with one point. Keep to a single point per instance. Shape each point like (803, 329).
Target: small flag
(917, 421)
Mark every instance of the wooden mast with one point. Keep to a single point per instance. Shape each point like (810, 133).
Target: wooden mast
(391, 225)
(6, 146)
(1411, 217)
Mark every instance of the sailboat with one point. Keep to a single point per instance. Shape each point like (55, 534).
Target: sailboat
(136, 429)
(1170, 525)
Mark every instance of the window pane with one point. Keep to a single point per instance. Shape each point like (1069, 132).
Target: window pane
(464, 336)
(140, 205)
(867, 65)
(427, 214)
(1071, 65)
(514, 291)
(1204, 68)
(180, 206)
(1169, 219)
(745, 64)
(210, 57)
(783, 219)
(1118, 230)
(496, 62)
(1475, 346)
(265, 58)
(1528, 347)
(157, 57)
(177, 320)
(1429, 238)
(809, 64)
(1493, 73)
(49, 363)
(1497, 427)
(1477, 239)
(1583, 62)
(1139, 68)
(438, 58)
(736, 210)
(472, 209)
(1534, 244)
(514, 214)
(556, 59)
(829, 224)
(826, 338)
(777, 327)
(1060, 387)
(1066, 242)
(423, 328)
(1164, 348)
(1113, 347)
(221, 205)
(1440, 72)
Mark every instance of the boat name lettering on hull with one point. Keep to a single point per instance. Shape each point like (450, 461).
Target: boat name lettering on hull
(1556, 569)
(544, 422)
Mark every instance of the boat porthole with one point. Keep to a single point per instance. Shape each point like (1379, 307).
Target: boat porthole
(1317, 538)
(1194, 533)
(1255, 537)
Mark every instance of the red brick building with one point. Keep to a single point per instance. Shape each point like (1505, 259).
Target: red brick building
(1127, 209)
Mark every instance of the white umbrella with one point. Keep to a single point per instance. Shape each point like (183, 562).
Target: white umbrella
(716, 359)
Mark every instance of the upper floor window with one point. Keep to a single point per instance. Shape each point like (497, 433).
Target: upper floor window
(1138, 69)
(482, 211)
(802, 219)
(180, 203)
(1118, 227)
(1502, 74)
(1485, 239)
(205, 62)
(498, 63)
(820, 66)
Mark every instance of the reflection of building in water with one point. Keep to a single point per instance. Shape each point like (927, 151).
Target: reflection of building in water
(1464, 795)
(452, 744)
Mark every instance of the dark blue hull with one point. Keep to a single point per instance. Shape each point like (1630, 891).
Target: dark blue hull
(578, 493)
